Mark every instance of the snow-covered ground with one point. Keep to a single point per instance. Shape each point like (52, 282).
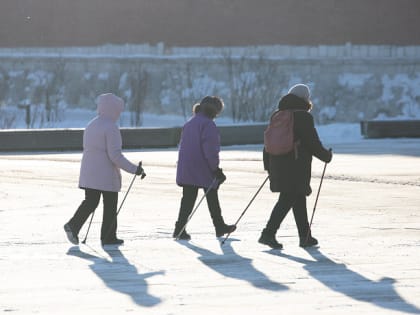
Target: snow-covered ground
(367, 221)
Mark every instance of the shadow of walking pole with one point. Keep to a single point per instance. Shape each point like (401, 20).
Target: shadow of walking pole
(339, 278)
(120, 276)
(231, 265)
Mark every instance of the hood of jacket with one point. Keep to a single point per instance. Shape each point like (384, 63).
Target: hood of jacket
(110, 106)
(293, 102)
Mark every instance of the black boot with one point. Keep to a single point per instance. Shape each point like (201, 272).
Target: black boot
(269, 239)
(223, 229)
(71, 234)
(308, 241)
(112, 241)
(184, 235)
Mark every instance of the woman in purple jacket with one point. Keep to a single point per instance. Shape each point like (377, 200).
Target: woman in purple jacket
(198, 166)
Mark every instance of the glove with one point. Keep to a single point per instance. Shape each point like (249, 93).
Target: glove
(140, 171)
(331, 155)
(220, 177)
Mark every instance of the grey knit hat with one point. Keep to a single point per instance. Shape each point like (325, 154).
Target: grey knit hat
(300, 90)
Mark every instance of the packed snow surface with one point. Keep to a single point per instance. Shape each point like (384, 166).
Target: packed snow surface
(366, 220)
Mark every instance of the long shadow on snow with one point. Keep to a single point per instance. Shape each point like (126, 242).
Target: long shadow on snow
(230, 264)
(339, 278)
(119, 275)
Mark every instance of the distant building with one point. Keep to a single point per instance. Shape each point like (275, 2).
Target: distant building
(209, 22)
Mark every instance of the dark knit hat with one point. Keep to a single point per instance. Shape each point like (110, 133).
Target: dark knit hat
(211, 106)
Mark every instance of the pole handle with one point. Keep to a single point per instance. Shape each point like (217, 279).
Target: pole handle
(143, 174)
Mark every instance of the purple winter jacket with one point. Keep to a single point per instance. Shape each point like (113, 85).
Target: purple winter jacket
(198, 155)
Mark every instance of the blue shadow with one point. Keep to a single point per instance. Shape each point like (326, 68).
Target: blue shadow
(339, 278)
(231, 265)
(120, 276)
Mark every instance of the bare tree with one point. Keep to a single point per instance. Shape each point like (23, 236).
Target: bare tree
(243, 88)
(139, 79)
(186, 88)
(54, 92)
(181, 86)
(7, 118)
(254, 87)
(267, 94)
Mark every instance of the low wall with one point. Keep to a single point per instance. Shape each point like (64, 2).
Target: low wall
(390, 128)
(136, 138)
(133, 138)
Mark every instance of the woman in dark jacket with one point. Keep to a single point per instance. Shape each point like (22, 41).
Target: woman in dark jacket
(290, 174)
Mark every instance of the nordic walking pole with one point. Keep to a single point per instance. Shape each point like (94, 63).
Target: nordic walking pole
(195, 209)
(128, 190)
(87, 232)
(316, 201)
(259, 189)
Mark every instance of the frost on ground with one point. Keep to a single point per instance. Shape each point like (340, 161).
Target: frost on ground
(367, 222)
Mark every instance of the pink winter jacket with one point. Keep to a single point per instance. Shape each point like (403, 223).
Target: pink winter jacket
(102, 157)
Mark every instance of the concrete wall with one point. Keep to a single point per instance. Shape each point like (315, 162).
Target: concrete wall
(133, 138)
(390, 129)
(137, 138)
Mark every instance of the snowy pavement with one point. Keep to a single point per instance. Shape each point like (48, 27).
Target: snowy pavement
(367, 221)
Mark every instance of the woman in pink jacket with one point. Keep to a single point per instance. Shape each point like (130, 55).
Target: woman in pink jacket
(100, 170)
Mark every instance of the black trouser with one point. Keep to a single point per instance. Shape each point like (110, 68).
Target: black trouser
(189, 196)
(109, 221)
(286, 201)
